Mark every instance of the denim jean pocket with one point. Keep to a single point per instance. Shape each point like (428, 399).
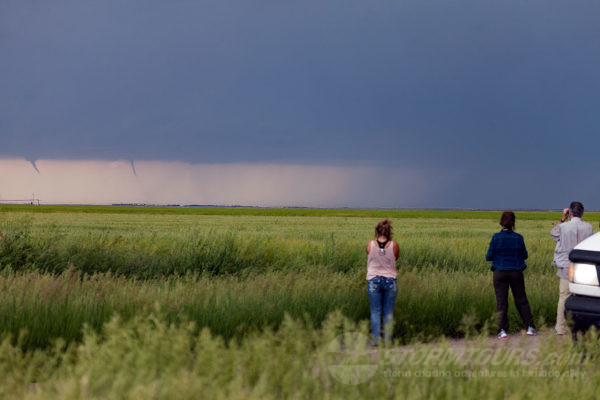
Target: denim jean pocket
(392, 284)
(373, 284)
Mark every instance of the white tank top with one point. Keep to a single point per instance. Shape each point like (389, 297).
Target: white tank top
(381, 263)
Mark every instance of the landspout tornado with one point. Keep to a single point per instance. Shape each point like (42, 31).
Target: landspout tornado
(32, 162)
(131, 162)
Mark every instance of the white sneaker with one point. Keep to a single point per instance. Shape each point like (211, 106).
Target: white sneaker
(531, 331)
(502, 334)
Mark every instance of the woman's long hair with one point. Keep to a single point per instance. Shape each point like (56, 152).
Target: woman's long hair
(507, 220)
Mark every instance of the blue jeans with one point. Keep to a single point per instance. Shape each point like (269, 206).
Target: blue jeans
(382, 295)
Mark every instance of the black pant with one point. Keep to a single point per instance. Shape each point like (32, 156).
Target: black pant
(514, 279)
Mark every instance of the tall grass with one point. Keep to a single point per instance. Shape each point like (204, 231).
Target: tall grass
(235, 275)
(429, 304)
(149, 358)
(154, 305)
(158, 245)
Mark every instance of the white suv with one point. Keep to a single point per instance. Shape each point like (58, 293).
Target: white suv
(584, 284)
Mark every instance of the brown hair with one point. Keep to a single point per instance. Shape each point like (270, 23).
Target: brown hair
(384, 228)
(507, 220)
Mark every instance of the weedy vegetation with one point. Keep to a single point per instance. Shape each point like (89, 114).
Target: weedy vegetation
(171, 302)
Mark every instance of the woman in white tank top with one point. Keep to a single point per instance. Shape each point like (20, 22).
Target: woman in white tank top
(381, 277)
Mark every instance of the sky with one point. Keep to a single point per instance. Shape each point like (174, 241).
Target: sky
(458, 104)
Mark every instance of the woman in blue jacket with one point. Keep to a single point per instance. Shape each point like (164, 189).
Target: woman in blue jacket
(507, 253)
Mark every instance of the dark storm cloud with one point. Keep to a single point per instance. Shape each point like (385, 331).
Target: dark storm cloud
(504, 92)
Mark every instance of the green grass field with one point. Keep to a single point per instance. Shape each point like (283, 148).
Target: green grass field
(236, 275)
(284, 212)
